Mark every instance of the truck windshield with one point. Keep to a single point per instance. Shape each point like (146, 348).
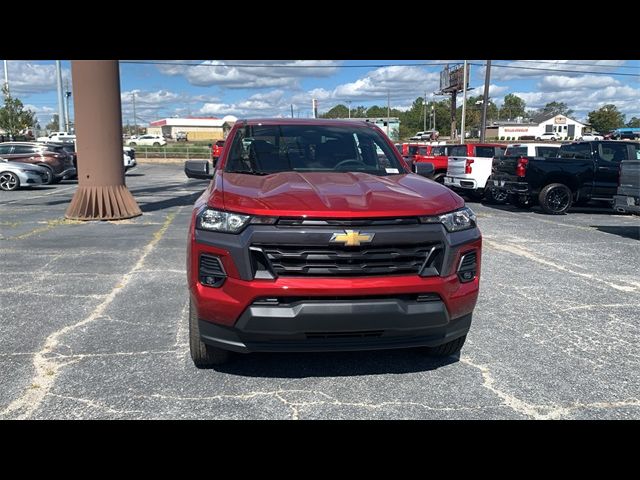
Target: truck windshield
(266, 149)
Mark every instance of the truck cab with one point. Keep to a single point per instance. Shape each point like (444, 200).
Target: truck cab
(469, 167)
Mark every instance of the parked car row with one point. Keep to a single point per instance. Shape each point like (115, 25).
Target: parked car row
(43, 163)
(554, 176)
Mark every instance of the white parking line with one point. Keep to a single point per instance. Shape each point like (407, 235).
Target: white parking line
(38, 196)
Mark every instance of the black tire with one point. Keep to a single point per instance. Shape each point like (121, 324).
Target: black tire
(555, 199)
(50, 178)
(447, 349)
(56, 180)
(132, 144)
(9, 181)
(439, 177)
(498, 197)
(156, 144)
(203, 355)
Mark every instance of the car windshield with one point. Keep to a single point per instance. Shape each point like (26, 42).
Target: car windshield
(266, 149)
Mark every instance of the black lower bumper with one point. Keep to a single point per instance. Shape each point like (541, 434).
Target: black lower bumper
(338, 325)
(510, 186)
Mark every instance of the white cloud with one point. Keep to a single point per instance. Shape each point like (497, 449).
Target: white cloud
(247, 74)
(27, 77)
(575, 67)
(554, 83)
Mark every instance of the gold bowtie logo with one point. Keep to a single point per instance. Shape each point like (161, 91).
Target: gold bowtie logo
(352, 238)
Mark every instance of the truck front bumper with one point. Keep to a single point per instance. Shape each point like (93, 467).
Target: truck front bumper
(337, 325)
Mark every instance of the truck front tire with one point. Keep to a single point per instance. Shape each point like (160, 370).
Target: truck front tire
(555, 199)
(447, 349)
(203, 355)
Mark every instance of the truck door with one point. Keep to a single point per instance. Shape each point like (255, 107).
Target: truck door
(608, 158)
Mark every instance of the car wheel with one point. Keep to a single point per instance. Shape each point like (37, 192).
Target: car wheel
(203, 355)
(492, 195)
(555, 199)
(132, 144)
(447, 349)
(156, 144)
(9, 181)
(49, 178)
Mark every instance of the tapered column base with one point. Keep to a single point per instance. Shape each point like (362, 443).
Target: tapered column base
(109, 202)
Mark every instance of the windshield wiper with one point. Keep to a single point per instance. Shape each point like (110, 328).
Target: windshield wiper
(247, 172)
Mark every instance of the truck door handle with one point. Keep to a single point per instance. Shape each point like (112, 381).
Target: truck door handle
(603, 168)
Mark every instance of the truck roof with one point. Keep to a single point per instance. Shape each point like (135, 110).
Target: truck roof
(304, 121)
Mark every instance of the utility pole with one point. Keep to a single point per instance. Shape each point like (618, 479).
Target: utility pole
(67, 94)
(135, 119)
(424, 103)
(433, 114)
(485, 101)
(388, 110)
(292, 110)
(349, 104)
(61, 118)
(464, 101)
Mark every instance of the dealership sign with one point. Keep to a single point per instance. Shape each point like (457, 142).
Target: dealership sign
(560, 120)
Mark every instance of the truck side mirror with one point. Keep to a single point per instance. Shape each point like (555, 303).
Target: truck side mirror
(424, 169)
(197, 169)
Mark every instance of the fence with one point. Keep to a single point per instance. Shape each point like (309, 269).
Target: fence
(174, 151)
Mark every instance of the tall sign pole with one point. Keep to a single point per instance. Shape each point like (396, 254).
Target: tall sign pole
(61, 118)
(485, 101)
(101, 193)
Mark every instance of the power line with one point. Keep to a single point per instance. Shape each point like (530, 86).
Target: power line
(599, 65)
(275, 65)
(559, 70)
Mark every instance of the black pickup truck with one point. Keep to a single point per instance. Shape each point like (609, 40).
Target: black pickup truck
(580, 172)
(628, 198)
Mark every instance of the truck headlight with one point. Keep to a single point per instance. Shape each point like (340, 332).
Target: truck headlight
(462, 219)
(217, 221)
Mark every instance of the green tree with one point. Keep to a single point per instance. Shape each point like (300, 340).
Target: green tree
(54, 124)
(634, 122)
(556, 108)
(359, 112)
(606, 118)
(339, 111)
(13, 116)
(513, 107)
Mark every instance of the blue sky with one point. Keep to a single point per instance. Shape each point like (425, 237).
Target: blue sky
(265, 88)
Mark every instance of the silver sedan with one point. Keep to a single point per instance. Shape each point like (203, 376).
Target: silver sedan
(13, 175)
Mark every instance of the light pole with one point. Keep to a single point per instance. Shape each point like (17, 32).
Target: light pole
(487, 78)
(348, 102)
(6, 75)
(464, 101)
(424, 104)
(61, 119)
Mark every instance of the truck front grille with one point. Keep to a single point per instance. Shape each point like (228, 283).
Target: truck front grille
(325, 260)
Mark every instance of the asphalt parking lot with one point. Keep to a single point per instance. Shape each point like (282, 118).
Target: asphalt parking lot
(93, 324)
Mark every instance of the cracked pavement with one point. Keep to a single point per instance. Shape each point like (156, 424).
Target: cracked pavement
(93, 324)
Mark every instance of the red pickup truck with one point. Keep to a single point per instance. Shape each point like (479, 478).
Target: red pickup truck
(216, 150)
(315, 235)
(439, 156)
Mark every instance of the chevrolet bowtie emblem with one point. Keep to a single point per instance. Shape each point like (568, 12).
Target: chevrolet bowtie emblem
(352, 238)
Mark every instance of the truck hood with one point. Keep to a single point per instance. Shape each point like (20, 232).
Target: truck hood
(335, 194)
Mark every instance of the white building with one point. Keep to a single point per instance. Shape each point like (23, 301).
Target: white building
(561, 125)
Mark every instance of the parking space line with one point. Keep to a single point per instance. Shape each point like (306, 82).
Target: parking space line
(47, 367)
(55, 192)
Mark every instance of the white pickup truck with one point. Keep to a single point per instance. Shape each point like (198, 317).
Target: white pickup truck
(64, 137)
(469, 167)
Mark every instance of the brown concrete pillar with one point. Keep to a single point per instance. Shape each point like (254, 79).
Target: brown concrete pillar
(101, 194)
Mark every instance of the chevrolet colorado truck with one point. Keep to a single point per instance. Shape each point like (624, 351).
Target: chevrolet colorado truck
(581, 171)
(314, 235)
